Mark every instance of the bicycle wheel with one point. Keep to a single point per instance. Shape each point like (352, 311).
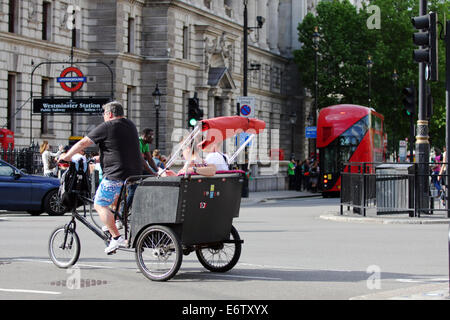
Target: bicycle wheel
(158, 253)
(222, 257)
(64, 247)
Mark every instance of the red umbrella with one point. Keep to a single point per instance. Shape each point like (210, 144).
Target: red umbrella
(222, 128)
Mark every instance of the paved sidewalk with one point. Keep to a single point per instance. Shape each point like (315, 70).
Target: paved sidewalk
(263, 196)
(348, 216)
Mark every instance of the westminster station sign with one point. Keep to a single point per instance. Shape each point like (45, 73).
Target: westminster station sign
(69, 105)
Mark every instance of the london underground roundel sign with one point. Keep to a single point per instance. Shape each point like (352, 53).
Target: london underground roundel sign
(78, 79)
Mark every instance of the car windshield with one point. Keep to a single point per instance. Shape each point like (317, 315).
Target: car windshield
(8, 170)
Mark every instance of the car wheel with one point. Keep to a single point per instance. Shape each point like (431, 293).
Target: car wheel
(53, 205)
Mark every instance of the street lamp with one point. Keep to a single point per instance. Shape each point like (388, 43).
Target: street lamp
(293, 120)
(157, 102)
(310, 120)
(369, 65)
(260, 22)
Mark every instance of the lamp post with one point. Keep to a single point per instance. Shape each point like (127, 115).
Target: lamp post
(157, 102)
(310, 120)
(369, 65)
(395, 79)
(293, 120)
(316, 40)
(260, 21)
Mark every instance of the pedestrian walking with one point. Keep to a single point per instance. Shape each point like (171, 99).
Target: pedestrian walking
(145, 139)
(305, 170)
(314, 176)
(49, 159)
(435, 171)
(443, 175)
(298, 176)
(291, 174)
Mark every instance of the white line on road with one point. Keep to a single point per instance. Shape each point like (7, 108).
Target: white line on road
(29, 291)
(78, 264)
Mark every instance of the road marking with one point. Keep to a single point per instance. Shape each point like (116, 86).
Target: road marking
(29, 291)
(422, 280)
(77, 265)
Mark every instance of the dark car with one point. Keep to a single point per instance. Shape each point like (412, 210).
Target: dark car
(35, 194)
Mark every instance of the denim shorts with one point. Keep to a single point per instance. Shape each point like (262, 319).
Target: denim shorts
(108, 191)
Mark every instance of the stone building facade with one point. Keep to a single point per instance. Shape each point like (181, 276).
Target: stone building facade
(183, 46)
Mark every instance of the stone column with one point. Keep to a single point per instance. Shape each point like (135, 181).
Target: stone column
(298, 9)
(211, 98)
(263, 12)
(226, 104)
(284, 26)
(272, 25)
(251, 14)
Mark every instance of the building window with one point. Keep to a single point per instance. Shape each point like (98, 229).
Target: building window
(207, 3)
(11, 102)
(13, 16)
(129, 104)
(46, 21)
(228, 8)
(131, 35)
(185, 42)
(184, 116)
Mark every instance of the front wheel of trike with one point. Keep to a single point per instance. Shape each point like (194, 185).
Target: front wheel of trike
(158, 253)
(64, 247)
(221, 257)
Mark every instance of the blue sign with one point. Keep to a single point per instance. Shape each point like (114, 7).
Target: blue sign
(311, 132)
(243, 136)
(246, 110)
(71, 79)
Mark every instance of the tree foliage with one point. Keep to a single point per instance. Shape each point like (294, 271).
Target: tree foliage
(345, 44)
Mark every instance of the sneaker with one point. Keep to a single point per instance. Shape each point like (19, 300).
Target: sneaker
(115, 244)
(119, 226)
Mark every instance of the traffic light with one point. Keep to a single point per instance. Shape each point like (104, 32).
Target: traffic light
(409, 100)
(194, 112)
(428, 41)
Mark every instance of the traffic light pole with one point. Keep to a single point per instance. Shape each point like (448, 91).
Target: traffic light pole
(447, 122)
(245, 188)
(447, 101)
(422, 143)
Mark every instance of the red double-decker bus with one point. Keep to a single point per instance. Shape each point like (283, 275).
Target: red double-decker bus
(347, 133)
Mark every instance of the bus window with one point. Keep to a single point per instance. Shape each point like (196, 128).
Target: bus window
(375, 122)
(356, 133)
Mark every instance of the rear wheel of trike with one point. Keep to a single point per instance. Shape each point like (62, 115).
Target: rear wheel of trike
(64, 247)
(158, 253)
(221, 257)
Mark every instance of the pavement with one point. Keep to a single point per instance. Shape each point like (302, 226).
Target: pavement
(348, 215)
(433, 291)
(264, 196)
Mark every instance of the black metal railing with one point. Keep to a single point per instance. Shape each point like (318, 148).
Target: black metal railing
(27, 159)
(393, 188)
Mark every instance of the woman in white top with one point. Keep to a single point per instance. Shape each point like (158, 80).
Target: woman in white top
(50, 166)
(216, 157)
